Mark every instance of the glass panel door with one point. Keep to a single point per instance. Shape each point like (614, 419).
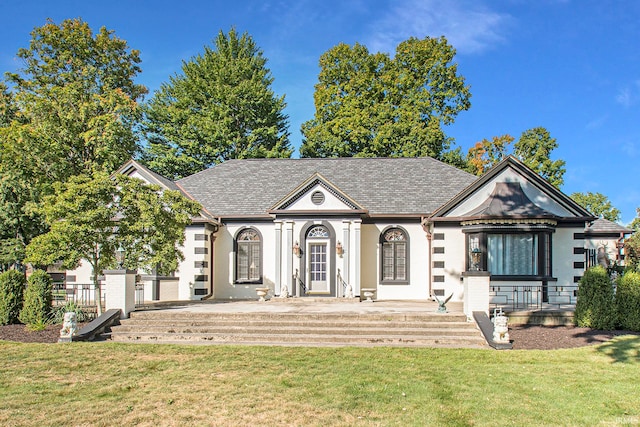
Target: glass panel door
(318, 267)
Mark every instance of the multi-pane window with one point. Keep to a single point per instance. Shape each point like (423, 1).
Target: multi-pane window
(510, 254)
(394, 256)
(248, 256)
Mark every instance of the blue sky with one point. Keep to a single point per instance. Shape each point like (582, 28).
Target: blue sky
(572, 67)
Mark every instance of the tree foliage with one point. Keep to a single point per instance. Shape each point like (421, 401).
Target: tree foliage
(372, 105)
(628, 300)
(221, 107)
(91, 216)
(487, 153)
(534, 149)
(70, 109)
(598, 204)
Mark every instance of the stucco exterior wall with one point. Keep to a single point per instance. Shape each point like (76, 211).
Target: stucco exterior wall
(448, 263)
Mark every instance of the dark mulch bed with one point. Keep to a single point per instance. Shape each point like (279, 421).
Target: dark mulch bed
(523, 337)
(530, 337)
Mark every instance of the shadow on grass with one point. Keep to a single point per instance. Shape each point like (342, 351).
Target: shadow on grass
(624, 349)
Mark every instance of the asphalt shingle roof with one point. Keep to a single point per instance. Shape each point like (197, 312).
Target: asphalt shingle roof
(383, 186)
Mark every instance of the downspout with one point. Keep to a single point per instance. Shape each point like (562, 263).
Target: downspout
(426, 226)
(212, 240)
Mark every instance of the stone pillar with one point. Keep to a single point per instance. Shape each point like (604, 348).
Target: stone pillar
(120, 290)
(356, 259)
(476, 292)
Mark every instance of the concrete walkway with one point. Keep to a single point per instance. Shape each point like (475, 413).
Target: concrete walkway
(303, 305)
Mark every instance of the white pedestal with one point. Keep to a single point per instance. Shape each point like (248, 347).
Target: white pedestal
(120, 290)
(476, 292)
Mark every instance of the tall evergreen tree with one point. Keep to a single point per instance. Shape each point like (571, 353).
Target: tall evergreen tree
(221, 107)
(374, 105)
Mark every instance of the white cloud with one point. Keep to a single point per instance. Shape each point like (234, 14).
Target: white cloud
(468, 26)
(597, 123)
(629, 95)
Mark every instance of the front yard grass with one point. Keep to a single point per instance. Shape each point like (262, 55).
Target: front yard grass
(107, 384)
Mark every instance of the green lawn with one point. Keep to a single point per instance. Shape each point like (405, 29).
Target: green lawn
(108, 384)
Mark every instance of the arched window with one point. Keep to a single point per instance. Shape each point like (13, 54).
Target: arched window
(248, 256)
(394, 262)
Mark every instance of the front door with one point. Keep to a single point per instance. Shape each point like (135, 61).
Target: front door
(318, 261)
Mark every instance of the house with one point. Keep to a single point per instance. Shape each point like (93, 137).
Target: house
(406, 228)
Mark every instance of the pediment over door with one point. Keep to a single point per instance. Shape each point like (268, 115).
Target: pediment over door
(316, 194)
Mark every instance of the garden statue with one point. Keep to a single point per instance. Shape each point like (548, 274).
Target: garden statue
(284, 292)
(441, 304)
(69, 327)
(500, 326)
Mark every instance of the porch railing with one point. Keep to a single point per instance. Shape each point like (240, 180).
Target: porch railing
(346, 288)
(512, 297)
(81, 294)
(297, 281)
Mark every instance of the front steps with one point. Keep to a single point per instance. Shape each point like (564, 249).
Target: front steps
(300, 329)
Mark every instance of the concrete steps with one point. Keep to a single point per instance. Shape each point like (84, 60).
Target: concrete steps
(300, 329)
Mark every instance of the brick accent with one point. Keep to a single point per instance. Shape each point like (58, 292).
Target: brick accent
(438, 249)
(200, 237)
(438, 279)
(201, 250)
(438, 264)
(578, 264)
(201, 264)
(438, 236)
(578, 251)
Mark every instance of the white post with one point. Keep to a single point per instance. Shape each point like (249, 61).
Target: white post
(278, 285)
(356, 247)
(476, 292)
(120, 290)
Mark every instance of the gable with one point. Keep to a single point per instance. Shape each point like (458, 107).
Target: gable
(316, 194)
(511, 190)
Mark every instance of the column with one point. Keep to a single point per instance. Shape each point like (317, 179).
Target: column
(278, 286)
(289, 259)
(356, 246)
(347, 254)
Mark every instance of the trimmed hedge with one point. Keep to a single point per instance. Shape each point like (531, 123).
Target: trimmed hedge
(37, 300)
(595, 307)
(11, 296)
(628, 301)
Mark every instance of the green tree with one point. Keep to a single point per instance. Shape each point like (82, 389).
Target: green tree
(368, 104)
(91, 216)
(598, 204)
(534, 149)
(70, 109)
(221, 107)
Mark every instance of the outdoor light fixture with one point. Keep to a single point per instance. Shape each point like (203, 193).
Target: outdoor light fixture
(296, 249)
(339, 249)
(120, 257)
(475, 258)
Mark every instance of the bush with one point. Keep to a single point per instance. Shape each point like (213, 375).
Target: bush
(57, 317)
(11, 296)
(628, 301)
(595, 307)
(37, 301)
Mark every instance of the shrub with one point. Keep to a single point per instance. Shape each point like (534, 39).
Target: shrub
(595, 307)
(57, 317)
(37, 301)
(11, 296)
(628, 301)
